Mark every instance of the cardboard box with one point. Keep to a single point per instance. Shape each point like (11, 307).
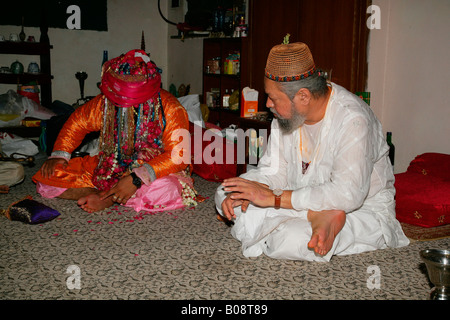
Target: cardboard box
(31, 122)
(249, 102)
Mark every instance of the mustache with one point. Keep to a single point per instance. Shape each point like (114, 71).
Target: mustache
(276, 113)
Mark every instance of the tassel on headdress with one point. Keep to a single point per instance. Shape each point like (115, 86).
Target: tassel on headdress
(289, 62)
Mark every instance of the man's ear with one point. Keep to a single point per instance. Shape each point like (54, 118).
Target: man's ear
(303, 96)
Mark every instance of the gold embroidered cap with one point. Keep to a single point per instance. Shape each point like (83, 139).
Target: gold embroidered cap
(289, 62)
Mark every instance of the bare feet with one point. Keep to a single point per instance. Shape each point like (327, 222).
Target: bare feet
(325, 227)
(92, 203)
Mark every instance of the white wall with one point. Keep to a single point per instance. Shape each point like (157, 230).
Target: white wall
(185, 56)
(409, 76)
(82, 50)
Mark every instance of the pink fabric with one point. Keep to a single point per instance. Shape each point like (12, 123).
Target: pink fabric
(143, 174)
(162, 194)
(49, 191)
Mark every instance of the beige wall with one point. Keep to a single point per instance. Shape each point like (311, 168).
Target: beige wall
(409, 76)
(82, 50)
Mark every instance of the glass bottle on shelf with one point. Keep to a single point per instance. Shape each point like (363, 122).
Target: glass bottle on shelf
(22, 35)
(391, 148)
(226, 99)
(105, 56)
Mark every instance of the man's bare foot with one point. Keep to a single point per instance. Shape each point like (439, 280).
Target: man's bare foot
(325, 227)
(92, 203)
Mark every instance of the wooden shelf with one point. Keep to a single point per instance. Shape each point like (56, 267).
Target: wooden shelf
(27, 48)
(250, 123)
(44, 79)
(40, 78)
(225, 110)
(217, 75)
(190, 36)
(220, 49)
(225, 117)
(213, 75)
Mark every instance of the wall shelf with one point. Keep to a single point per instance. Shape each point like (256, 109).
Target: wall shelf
(27, 48)
(44, 78)
(11, 78)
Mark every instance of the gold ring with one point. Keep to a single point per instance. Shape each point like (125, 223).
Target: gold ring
(119, 199)
(114, 197)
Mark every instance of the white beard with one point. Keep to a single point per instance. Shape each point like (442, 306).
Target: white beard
(289, 125)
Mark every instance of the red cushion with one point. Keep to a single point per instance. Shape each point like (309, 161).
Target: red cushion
(215, 171)
(422, 199)
(434, 164)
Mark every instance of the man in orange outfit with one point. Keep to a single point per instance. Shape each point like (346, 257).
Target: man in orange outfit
(134, 166)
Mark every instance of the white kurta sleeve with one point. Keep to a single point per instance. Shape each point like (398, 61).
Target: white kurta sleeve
(349, 181)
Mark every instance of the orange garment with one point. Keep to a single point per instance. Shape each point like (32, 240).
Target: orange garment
(89, 118)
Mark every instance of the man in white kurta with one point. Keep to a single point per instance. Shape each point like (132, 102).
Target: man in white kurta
(340, 162)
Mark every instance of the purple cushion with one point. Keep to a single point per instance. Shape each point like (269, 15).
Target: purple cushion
(31, 211)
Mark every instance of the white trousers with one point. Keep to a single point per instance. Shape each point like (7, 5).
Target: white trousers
(285, 233)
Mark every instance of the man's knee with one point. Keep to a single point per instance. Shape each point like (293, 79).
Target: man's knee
(289, 240)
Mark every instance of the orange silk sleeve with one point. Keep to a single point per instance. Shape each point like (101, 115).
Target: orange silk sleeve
(85, 119)
(176, 118)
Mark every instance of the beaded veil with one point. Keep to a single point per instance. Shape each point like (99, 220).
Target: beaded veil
(133, 119)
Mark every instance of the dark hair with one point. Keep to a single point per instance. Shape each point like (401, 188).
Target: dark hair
(316, 84)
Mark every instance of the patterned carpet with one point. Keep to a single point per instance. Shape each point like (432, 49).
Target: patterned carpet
(181, 255)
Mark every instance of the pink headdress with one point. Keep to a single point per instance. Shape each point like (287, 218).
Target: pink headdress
(130, 79)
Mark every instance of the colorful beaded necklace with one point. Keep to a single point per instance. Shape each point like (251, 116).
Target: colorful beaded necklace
(128, 136)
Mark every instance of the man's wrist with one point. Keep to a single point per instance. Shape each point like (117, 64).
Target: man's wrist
(277, 193)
